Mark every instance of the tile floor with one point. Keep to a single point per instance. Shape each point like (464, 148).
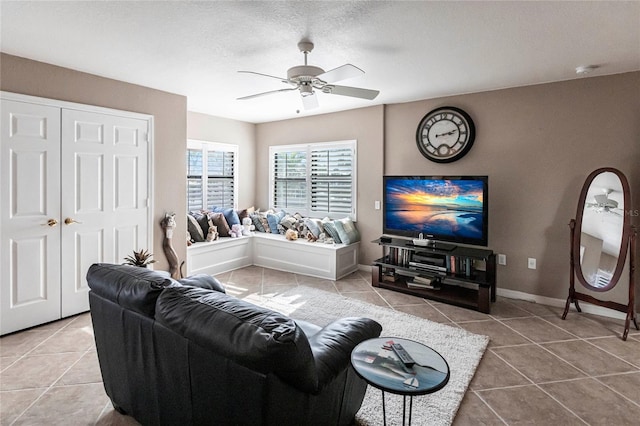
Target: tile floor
(538, 369)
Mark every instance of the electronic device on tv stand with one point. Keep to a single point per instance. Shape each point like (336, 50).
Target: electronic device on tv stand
(443, 209)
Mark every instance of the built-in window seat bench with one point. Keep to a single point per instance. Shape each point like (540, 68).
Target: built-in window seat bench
(274, 251)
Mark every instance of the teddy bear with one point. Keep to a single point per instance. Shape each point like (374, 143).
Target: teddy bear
(291, 235)
(236, 231)
(212, 234)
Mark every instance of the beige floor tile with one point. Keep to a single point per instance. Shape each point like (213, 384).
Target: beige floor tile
(67, 340)
(64, 405)
(6, 361)
(81, 321)
(474, 412)
(581, 396)
(528, 405)
(272, 277)
(493, 372)
(270, 290)
(356, 284)
(588, 358)
(395, 298)
(19, 344)
(502, 308)
(628, 350)
(537, 364)
(537, 308)
(36, 371)
(314, 282)
(499, 334)
(581, 326)
(626, 384)
(13, 403)
(537, 329)
(241, 290)
(86, 370)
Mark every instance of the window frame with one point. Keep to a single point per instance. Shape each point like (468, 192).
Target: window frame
(205, 147)
(309, 148)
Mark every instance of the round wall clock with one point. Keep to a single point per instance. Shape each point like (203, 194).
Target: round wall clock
(445, 134)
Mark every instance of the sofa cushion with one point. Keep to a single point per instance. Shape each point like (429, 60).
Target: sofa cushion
(252, 336)
(131, 287)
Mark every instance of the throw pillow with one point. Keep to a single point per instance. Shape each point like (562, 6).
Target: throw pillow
(194, 229)
(288, 222)
(347, 230)
(203, 220)
(330, 229)
(314, 225)
(273, 221)
(255, 218)
(218, 220)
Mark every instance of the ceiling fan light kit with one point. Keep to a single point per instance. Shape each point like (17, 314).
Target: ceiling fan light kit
(305, 78)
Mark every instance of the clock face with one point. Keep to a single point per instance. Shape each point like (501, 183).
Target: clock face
(445, 134)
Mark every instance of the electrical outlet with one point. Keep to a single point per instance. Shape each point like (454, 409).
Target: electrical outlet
(502, 259)
(376, 205)
(532, 263)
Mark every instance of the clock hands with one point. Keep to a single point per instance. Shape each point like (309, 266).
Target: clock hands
(447, 133)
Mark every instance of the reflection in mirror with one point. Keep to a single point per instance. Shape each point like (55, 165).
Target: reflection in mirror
(601, 230)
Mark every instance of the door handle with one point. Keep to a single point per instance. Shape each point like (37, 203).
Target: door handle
(69, 221)
(51, 223)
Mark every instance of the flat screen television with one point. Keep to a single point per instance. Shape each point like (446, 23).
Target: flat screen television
(441, 208)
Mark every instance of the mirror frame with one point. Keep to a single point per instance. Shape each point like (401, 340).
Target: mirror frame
(626, 230)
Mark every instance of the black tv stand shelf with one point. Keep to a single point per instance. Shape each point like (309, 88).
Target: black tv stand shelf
(458, 275)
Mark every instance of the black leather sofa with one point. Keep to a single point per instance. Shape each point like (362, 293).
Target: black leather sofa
(180, 353)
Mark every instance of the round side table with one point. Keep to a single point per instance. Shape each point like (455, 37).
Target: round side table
(379, 366)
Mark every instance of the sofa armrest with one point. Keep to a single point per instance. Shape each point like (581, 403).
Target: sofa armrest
(332, 346)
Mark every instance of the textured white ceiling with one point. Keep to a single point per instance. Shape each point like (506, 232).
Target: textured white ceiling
(409, 50)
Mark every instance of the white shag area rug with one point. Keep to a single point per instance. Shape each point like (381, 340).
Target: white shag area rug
(462, 350)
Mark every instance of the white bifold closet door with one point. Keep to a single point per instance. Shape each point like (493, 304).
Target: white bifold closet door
(74, 192)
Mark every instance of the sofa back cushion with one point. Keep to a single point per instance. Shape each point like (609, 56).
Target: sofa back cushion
(252, 336)
(131, 287)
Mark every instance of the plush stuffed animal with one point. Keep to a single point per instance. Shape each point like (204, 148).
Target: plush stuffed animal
(212, 234)
(291, 235)
(236, 230)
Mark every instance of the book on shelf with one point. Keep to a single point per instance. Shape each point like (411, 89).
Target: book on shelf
(428, 266)
(424, 284)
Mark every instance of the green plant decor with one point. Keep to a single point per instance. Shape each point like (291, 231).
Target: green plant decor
(140, 258)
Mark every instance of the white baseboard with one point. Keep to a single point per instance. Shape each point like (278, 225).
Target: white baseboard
(543, 300)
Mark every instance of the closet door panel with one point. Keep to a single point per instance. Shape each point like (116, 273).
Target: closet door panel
(104, 173)
(29, 215)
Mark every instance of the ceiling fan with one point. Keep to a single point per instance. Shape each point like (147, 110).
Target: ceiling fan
(604, 204)
(306, 78)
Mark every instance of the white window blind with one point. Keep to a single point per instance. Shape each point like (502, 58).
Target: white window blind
(213, 185)
(316, 179)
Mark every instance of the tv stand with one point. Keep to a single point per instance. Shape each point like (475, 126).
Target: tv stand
(458, 275)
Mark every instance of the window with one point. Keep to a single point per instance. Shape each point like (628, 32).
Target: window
(211, 171)
(316, 179)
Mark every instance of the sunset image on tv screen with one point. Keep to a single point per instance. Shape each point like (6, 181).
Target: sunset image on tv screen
(436, 207)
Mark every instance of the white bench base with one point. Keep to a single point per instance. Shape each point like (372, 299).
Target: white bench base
(329, 261)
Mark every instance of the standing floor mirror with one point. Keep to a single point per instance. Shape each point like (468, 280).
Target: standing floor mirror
(601, 236)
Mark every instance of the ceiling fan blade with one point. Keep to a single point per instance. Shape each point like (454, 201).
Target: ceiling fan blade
(354, 92)
(310, 101)
(266, 93)
(341, 73)
(283, 80)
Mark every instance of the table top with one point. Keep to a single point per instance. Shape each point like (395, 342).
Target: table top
(375, 362)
